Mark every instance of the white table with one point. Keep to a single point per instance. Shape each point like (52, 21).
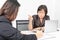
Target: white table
(55, 37)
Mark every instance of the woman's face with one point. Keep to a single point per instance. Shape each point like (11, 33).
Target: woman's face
(41, 14)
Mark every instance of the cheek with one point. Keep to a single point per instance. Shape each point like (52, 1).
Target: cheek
(43, 15)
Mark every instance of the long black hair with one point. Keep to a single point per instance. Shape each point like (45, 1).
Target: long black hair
(44, 7)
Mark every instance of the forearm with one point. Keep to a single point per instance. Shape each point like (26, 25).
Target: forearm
(30, 25)
(40, 28)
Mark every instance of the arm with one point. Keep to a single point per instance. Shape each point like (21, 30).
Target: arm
(40, 29)
(10, 33)
(35, 36)
(30, 27)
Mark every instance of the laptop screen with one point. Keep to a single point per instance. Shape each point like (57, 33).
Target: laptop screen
(22, 25)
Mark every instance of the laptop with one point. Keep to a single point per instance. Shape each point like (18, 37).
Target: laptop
(22, 25)
(51, 26)
(50, 30)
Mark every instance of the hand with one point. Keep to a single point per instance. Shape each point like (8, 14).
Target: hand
(39, 34)
(30, 17)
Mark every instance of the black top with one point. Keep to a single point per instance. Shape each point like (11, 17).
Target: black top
(7, 32)
(37, 23)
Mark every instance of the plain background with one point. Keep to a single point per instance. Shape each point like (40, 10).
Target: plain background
(29, 7)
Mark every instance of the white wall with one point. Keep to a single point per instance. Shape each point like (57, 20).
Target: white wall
(57, 11)
(2, 2)
(30, 7)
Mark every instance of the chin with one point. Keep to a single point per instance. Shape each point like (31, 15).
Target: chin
(41, 17)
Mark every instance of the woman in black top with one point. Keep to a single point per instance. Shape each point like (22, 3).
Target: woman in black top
(7, 14)
(38, 21)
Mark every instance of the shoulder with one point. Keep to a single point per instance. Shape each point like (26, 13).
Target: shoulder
(4, 24)
(7, 28)
(47, 17)
(35, 16)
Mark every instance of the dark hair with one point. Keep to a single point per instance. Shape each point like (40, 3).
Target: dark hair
(12, 8)
(44, 7)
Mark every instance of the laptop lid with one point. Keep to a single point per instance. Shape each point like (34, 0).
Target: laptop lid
(51, 26)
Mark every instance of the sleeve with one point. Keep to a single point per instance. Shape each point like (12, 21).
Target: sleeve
(33, 23)
(47, 17)
(26, 37)
(34, 19)
(29, 37)
(10, 33)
